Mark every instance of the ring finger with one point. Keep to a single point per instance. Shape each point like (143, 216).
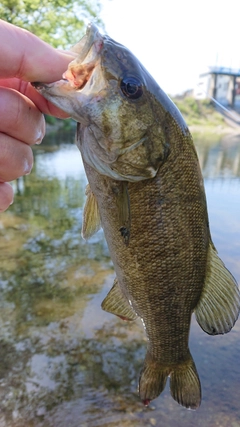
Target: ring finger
(16, 158)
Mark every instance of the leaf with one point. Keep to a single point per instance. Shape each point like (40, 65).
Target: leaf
(60, 23)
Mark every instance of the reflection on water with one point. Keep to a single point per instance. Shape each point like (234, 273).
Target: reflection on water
(219, 160)
(65, 362)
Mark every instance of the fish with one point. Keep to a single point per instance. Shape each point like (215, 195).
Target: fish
(146, 190)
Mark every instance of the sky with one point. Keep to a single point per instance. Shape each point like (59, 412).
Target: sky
(176, 40)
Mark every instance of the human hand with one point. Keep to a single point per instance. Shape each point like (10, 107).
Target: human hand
(24, 59)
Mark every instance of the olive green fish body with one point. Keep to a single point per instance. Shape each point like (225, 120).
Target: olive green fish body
(165, 259)
(162, 269)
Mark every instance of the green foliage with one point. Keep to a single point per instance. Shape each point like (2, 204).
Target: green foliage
(50, 119)
(199, 112)
(60, 23)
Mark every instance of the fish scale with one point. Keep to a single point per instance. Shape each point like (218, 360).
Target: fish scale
(161, 242)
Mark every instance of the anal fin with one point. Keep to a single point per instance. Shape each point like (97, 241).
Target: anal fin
(219, 305)
(91, 216)
(116, 303)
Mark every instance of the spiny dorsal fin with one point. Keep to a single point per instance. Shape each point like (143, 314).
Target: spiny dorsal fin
(219, 305)
(91, 217)
(116, 303)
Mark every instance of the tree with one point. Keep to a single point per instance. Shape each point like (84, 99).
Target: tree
(60, 23)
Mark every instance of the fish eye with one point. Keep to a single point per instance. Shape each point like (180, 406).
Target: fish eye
(131, 87)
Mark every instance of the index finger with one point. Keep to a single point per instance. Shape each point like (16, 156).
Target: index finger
(27, 57)
(28, 90)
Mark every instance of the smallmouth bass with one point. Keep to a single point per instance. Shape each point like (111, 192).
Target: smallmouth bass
(146, 191)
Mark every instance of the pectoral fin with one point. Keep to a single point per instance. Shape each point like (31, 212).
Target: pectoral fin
(123, 204)
(91, 217)
(218, 308)
(116, 303)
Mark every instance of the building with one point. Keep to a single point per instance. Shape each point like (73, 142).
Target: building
(221, 83)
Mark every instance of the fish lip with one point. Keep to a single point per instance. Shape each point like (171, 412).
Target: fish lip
(84, 45)
(91, 37)
(92, 33)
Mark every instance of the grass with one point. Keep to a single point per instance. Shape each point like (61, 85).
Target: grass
(199, 112)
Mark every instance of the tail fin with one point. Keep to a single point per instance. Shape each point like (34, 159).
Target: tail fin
(185, 385)
(152, 380)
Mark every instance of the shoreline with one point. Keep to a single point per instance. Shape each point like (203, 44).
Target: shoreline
(222, 132)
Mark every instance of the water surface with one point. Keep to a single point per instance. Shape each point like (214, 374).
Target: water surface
(65, 362)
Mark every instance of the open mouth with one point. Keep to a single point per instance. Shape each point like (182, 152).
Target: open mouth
(79, 74)
(81, 68)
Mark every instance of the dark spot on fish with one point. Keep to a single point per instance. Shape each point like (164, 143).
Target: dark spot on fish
(125, 233)
(161, 200)
(115, 188)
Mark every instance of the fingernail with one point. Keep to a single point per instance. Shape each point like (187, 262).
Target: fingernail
(40, 132)
(27, 167)
(39, 140)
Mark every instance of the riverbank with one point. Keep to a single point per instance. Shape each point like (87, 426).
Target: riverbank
(202, 117)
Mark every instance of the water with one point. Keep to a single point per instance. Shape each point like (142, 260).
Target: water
(65, 362)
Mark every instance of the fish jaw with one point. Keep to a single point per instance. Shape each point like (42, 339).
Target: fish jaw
(71, 100)
(59, 94)
(81, 82)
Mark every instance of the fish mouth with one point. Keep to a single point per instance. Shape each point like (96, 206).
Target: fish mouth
(80, 70)
(88, 49)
